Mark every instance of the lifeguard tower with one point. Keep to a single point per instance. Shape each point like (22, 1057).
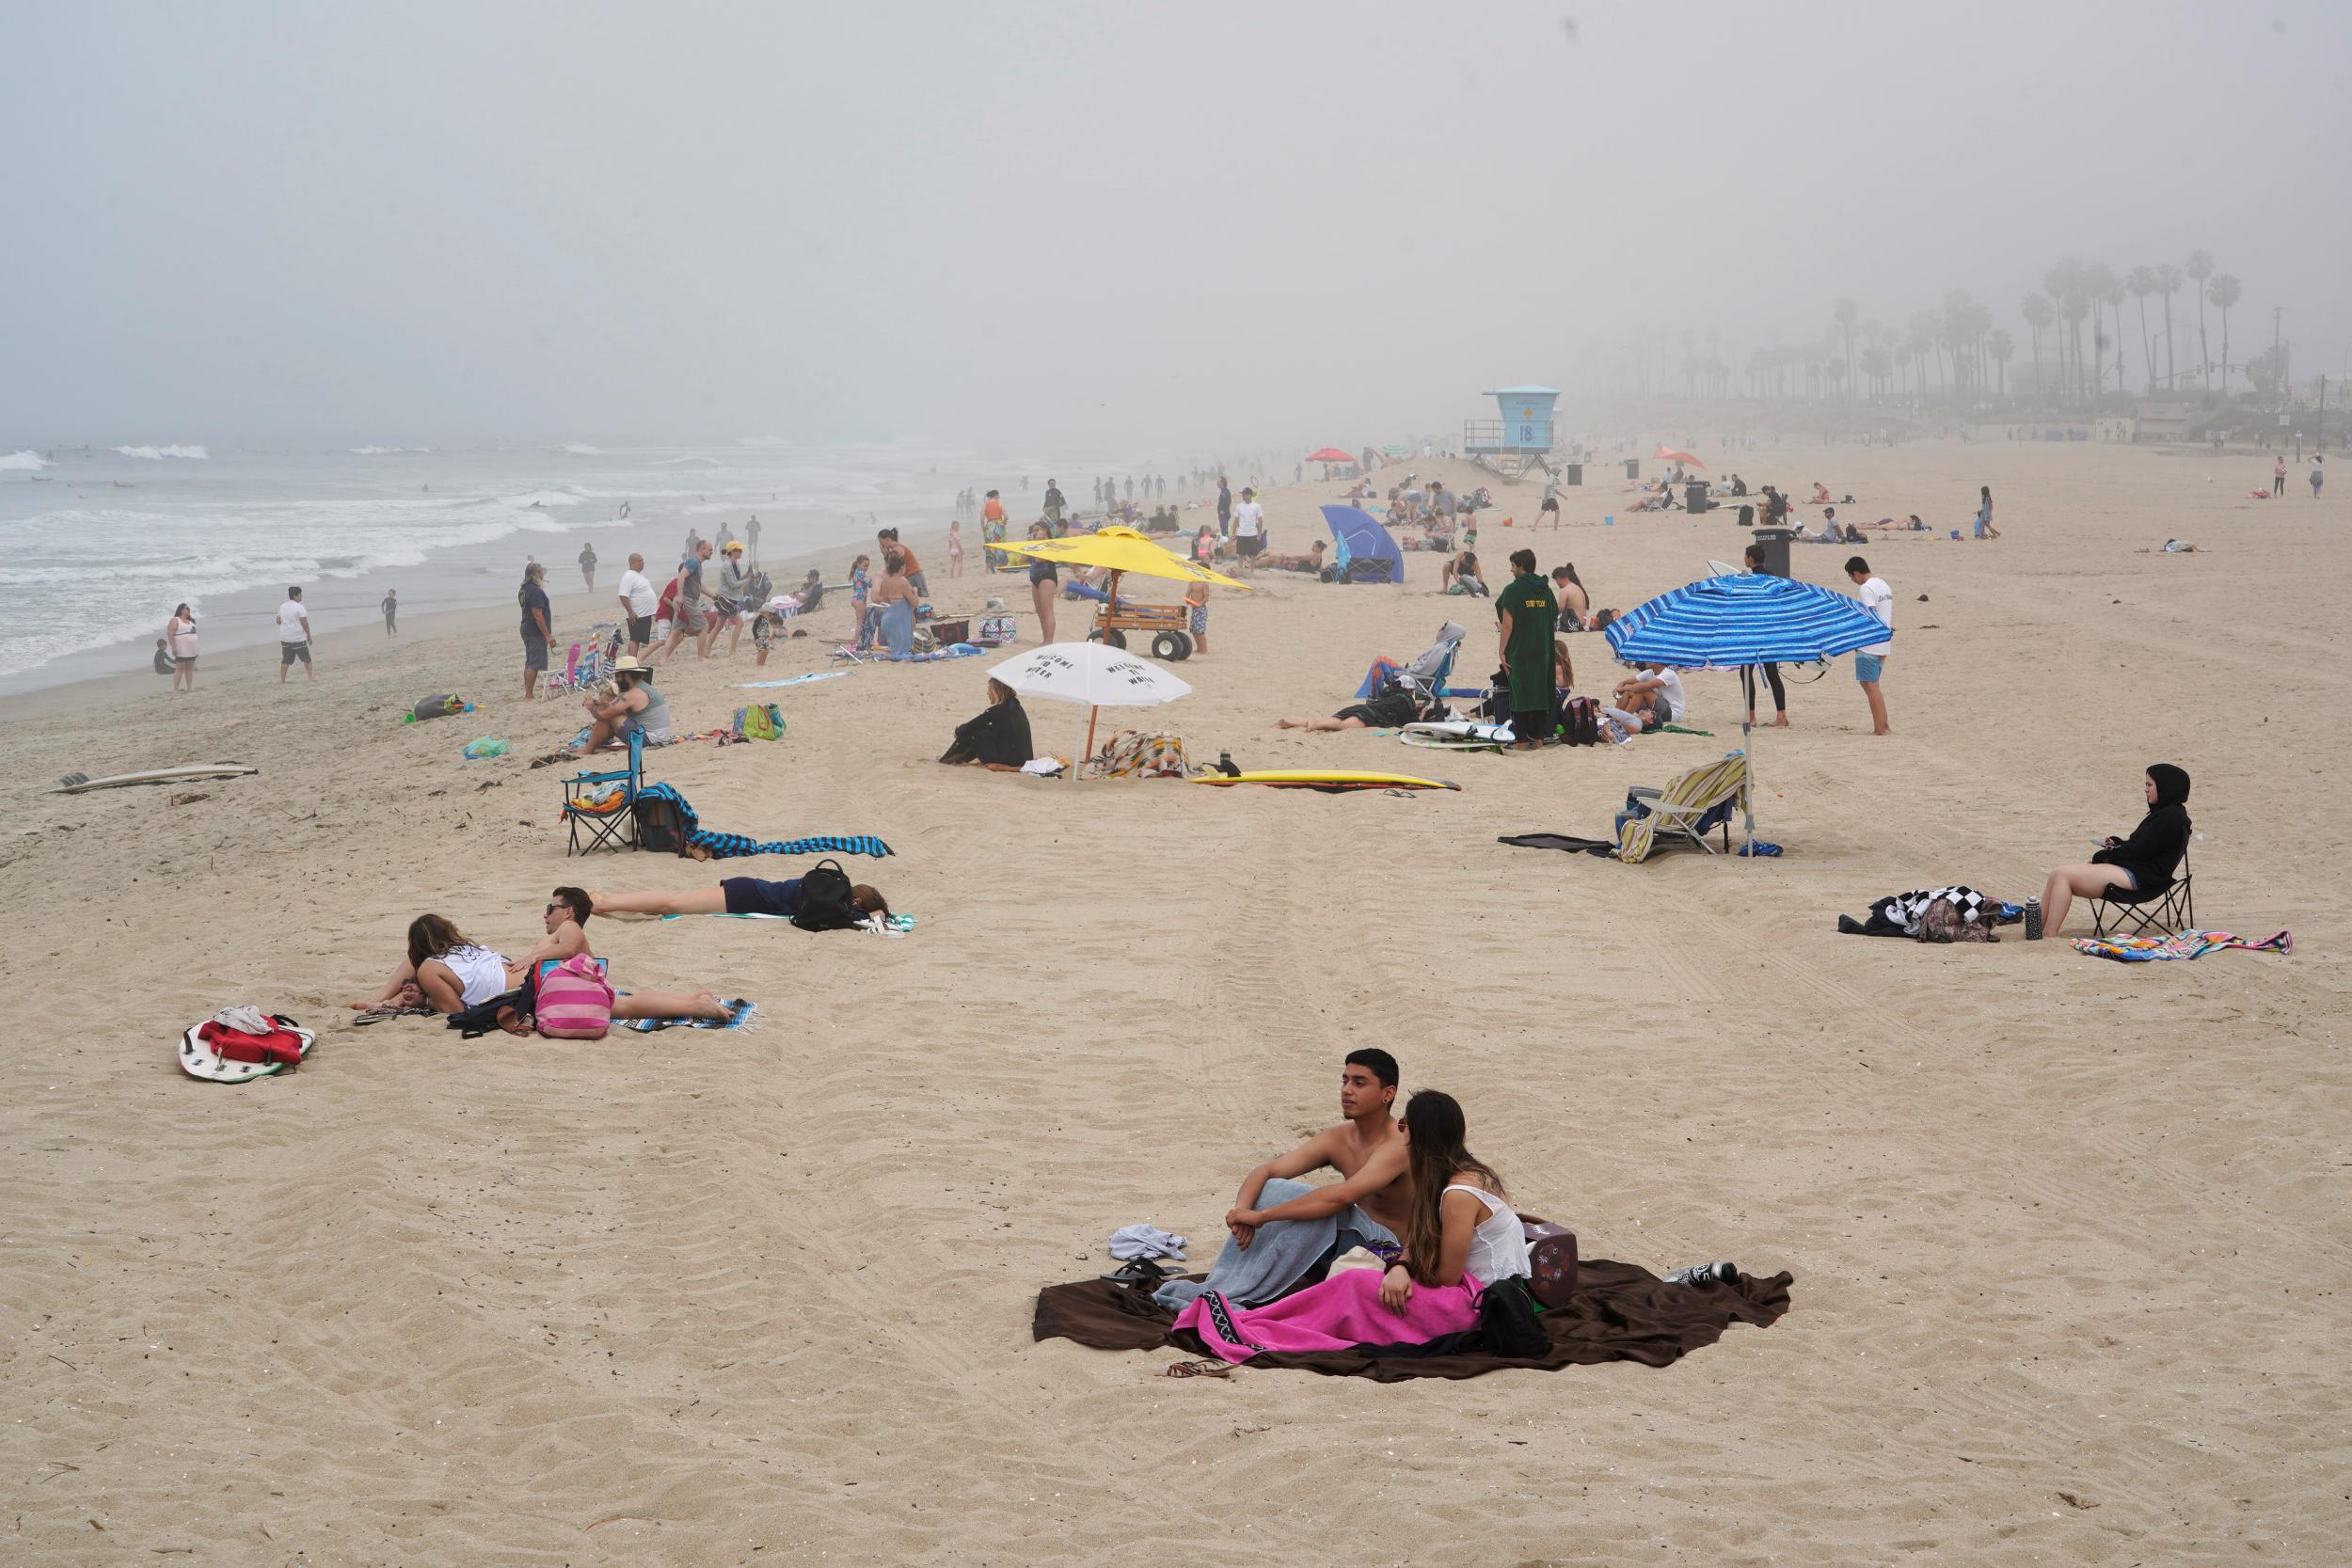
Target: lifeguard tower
(1518, 441)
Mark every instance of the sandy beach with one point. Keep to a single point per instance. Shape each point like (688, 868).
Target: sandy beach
(2069, 1236)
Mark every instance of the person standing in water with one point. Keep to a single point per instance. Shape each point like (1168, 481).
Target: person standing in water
(751, 536)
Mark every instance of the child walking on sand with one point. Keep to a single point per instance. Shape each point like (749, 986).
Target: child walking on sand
(955, 548)
(1196, 616)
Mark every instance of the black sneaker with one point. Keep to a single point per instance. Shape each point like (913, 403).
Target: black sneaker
(1704, 1273)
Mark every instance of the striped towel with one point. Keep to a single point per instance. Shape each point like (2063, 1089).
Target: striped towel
(732, 845)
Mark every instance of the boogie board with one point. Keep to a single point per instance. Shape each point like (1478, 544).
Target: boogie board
(1327, 779)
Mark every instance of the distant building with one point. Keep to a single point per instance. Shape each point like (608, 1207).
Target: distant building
(2162, 421)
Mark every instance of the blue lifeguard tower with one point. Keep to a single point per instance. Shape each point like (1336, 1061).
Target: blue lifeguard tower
(1518, 440)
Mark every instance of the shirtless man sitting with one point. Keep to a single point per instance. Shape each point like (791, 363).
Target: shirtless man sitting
(1285, 1232)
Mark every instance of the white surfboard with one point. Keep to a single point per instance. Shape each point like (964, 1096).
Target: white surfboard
(155, 776)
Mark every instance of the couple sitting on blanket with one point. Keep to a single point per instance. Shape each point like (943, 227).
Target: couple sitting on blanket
(449, 973)
(1410, 1190)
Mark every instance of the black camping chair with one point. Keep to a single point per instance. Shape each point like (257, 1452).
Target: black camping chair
(614, 829)
(2167, 911)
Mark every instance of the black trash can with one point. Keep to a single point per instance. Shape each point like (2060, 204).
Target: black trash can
(1632, 467)
(1572, 474)
(1775, 543)
(1695, 496)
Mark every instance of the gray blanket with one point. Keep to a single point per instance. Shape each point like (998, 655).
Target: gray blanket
(1282, 1257)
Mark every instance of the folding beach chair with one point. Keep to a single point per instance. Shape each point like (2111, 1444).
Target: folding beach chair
(2169, 909)
(611, 822)
(1684, 810)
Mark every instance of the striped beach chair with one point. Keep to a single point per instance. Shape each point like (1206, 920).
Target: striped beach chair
(1655, 818)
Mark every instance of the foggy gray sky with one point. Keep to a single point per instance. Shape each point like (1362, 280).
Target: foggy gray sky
(1147, 225)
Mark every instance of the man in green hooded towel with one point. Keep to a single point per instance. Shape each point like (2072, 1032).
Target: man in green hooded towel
(1528, 614)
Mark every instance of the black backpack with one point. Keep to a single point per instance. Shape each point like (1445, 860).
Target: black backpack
(825, 901)
(660, 825)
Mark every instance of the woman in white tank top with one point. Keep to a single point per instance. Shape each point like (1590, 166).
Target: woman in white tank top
(1461, 1227)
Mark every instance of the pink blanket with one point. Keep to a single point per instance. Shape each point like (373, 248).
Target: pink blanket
(1342, 1312)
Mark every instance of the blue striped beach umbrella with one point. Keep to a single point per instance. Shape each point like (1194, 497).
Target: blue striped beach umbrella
(1736, 623)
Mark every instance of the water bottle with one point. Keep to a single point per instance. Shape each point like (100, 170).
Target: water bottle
(2033, 919)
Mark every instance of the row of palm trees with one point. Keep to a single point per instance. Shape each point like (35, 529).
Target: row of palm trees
(1957, 341)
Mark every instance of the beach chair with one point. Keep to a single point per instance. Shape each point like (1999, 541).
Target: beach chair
(2169, 909)
(611, 822)
(1680, 812)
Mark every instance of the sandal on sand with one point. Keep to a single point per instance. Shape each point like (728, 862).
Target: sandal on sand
(1139, 1271)
(1199, 1368)
(377, 1015)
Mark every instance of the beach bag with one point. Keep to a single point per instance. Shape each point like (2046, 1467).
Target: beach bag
(1508, 1320)
(660, 825)
(1945, 921)
(998, 630)
(760, 722)
(1551, 1261)
(575, 1000)
(826, 904)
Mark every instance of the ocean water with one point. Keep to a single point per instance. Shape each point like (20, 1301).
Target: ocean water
(97, 544)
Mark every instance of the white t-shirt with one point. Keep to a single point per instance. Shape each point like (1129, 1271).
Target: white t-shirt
(1249, 517)
(290, 628)
(1670, 688)
(1879, 600)
(637, 589)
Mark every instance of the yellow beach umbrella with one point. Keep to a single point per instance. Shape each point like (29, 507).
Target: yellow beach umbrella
(1123, 550)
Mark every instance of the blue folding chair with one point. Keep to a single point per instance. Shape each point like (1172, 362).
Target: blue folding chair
(616, 827)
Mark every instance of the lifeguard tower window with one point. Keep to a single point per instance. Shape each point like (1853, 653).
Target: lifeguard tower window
(1514, 443)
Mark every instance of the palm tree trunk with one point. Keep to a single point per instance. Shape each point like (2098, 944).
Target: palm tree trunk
(2147, 361)
(2225, 352)
(2167, 342)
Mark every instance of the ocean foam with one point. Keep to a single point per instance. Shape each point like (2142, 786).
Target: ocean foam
(157, 454)
(543, 498)
(27, 459)
(581, 448)
(692, 457)
(383, 452)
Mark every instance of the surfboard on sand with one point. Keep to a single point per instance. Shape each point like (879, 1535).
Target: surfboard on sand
(77, 783)
(1332, 779)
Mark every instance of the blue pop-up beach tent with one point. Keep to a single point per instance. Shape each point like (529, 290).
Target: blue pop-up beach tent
(1362, 538)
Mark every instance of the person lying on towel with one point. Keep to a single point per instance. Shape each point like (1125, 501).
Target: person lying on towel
(733, 895)
(449, 973)
(1460, 1237)
(1283, 1231)
(997, 736)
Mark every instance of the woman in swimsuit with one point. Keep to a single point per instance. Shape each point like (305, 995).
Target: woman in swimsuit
(449, 973)
(733, 895)
(1044, 582)
(955, 548)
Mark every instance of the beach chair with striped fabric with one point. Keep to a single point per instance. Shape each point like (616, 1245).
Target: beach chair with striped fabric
(1683, 811)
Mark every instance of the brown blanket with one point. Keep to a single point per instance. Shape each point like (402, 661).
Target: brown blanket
(1619, 1313)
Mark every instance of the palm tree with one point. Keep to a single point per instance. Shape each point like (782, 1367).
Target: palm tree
(1922, 341)
(2108, 290)
(1876, 363)
(1999, 345)
(2037, 313)
(2142, 282)
(2061, 284)
(2167, 284)
(1846, 313)
(2199, 268)
(1902, 361)
(2224, 292)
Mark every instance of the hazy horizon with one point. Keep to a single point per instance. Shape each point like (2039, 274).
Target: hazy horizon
(1150, 230)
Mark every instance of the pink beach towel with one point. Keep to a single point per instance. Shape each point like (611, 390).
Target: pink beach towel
(1339, 1314)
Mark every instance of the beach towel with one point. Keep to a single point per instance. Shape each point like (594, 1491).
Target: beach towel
(1620, 1312)
(739, 1013)
(1340, 1314)
(1134, 754)
(2185, 944)
(718, 845)
(796, 680)
(1283, 1256)
(1560, 840)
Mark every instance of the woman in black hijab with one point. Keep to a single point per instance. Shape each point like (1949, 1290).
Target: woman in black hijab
(997, 737)
(2140, 865)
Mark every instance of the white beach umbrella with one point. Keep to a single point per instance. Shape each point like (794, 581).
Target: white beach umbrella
(1094, 673)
